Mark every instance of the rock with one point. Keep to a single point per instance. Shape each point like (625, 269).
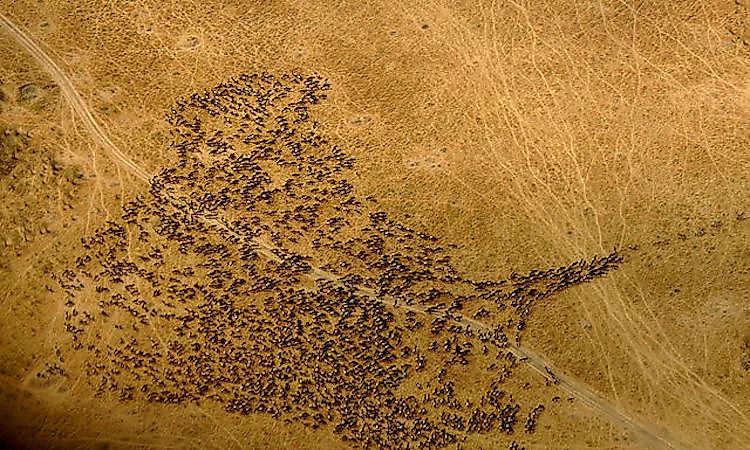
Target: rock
(190, 42)
(28, 93)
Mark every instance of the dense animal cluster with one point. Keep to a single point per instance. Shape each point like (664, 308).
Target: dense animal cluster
(253, 275)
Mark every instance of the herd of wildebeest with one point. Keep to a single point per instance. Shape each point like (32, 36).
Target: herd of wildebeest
(253, 275)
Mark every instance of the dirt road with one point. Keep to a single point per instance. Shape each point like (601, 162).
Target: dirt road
(74, 98)
(647, 435)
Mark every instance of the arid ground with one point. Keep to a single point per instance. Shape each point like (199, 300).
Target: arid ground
(375, 224)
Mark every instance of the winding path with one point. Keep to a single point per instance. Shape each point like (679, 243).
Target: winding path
(647, 435)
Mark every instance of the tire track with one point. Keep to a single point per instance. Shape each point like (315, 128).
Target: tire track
(646, 434)
(73, 97)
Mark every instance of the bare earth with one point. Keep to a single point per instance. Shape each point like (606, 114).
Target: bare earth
(322, 225)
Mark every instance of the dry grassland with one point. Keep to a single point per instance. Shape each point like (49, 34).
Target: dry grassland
(293, 225)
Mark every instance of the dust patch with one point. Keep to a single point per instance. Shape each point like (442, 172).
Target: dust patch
(433, 160)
